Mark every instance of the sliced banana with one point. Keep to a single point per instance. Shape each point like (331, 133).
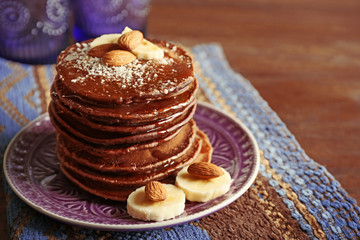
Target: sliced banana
(105, 39)
(146, 50)
(126, 29)
(140, 207)
(202, 190)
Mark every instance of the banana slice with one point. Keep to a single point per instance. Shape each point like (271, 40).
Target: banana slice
(202, 190)
(146, 50)
(140, 207)
(105, 39)
(108, 38)
(126, 29)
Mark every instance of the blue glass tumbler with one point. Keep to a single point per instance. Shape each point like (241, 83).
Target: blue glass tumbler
(33, 31)
(93, 18)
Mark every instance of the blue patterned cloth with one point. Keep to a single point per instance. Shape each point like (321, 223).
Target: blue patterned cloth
(314, 199)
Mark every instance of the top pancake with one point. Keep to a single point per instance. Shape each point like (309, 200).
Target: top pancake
(92, 81)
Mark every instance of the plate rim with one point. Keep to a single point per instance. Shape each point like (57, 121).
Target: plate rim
(145, 225)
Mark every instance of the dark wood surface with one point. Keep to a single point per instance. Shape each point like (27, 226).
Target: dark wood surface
(302, 56)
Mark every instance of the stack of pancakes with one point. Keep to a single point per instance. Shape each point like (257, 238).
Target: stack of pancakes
(121, 127)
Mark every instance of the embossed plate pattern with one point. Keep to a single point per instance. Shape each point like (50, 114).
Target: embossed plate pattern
(32, 171)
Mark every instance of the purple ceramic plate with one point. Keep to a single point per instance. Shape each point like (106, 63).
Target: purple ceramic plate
(32, 171)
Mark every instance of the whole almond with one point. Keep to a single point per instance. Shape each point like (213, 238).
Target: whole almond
(100, 50)
(118, 58)
(155, 191)
(205, 170)
(130, 40)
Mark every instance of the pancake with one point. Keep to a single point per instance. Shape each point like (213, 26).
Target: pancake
(116, 179)
(119, 127)
(134, 161)
(206, 151)
(109, 150)
(119, 187)
(140, 81)
(136, 112)
(79, 121)
(115, 138)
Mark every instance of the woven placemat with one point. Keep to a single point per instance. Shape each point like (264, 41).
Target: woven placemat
(293, 197)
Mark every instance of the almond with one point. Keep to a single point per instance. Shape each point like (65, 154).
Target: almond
(100, 50)
(118, 58)
(155, 191)
(130, 40)
(205, 170)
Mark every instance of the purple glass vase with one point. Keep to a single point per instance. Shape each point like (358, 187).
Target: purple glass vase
(93, 18)
(33, 31)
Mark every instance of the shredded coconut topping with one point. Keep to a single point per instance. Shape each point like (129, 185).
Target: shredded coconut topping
(135, 75)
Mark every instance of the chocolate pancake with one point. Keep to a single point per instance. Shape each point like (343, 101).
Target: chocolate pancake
(96, 135)
(206, 148)
(134, 161)
(142, 80)
(119, 187)
(79, 121)
(109, 150)
(116, 179)
(133, 113)
(120, 127)
(115, 138)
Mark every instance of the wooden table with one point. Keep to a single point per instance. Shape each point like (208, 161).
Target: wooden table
(302, 56)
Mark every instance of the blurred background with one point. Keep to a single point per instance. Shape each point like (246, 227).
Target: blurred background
(36, 31)
(302, 56)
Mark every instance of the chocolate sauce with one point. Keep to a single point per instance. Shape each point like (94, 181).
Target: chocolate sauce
(89, 79)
